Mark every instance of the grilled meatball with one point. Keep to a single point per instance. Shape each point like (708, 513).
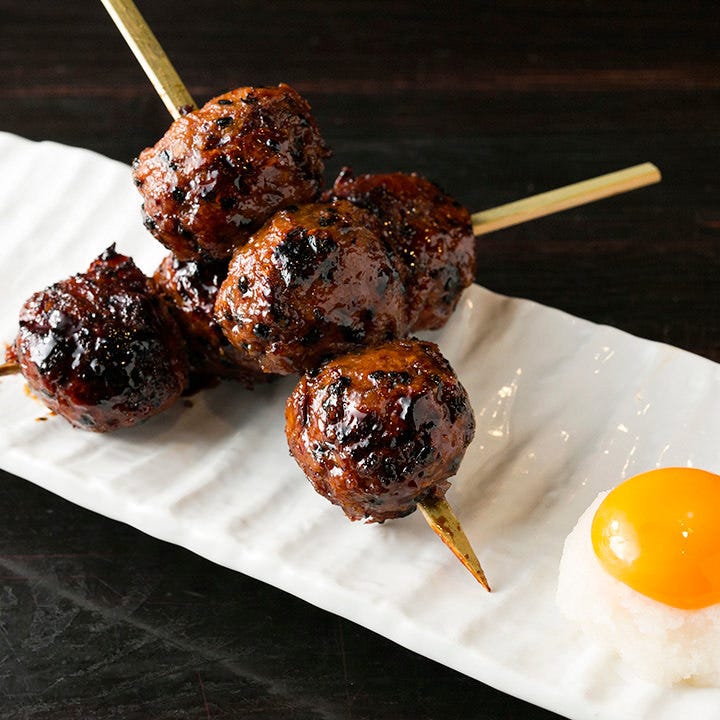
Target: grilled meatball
(377, 431)
(314, 282)
(100, 349)
(430, 233)
(219, 172)
(189, 289)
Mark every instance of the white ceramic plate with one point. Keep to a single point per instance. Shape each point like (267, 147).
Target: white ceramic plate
(564, 409)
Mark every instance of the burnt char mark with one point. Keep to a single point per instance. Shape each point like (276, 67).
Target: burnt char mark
(211, 141)
(227, 163)
(424, 454)
(453, 281)
(278, 315)
(302, 407)
(353, 333)
(333, 404)
(148, 221)
(338, 387)
(319, 451)
(408, 449)
(262, 330)
(302, 255)
(423, 441)
(311, 337)
(390, 378)
(297, 153)
(328, 217)
(168, 159)
(359, 434)
(454, 400)
(386, 470)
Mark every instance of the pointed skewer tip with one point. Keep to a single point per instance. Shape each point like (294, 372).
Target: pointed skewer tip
(443, 521)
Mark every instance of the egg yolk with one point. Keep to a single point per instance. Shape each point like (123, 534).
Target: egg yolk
(659, 533)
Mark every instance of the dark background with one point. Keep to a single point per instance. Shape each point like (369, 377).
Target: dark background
(494, 101)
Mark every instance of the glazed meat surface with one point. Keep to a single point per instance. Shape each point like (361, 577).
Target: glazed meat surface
(100, 349)
(189, 289)
(219, 172)
(314, 282)
(430, 233)
(377, 431)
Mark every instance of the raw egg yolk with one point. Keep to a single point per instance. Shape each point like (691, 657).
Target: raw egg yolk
(659, 533)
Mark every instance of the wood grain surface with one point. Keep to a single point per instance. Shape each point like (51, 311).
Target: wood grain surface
(495, 101)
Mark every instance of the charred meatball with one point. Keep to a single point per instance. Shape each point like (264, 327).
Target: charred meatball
(100, 349)
(219, 172)
(189, 289)
(430, 233)
(314, 282)
(377, 431)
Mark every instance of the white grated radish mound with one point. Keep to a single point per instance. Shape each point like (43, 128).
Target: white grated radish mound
(659, 643)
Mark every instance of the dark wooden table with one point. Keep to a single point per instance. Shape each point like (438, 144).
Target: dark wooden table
(493, 100)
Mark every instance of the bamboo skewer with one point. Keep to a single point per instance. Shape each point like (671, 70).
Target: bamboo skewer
(564, 198)
(151, 56)
(441, 518)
